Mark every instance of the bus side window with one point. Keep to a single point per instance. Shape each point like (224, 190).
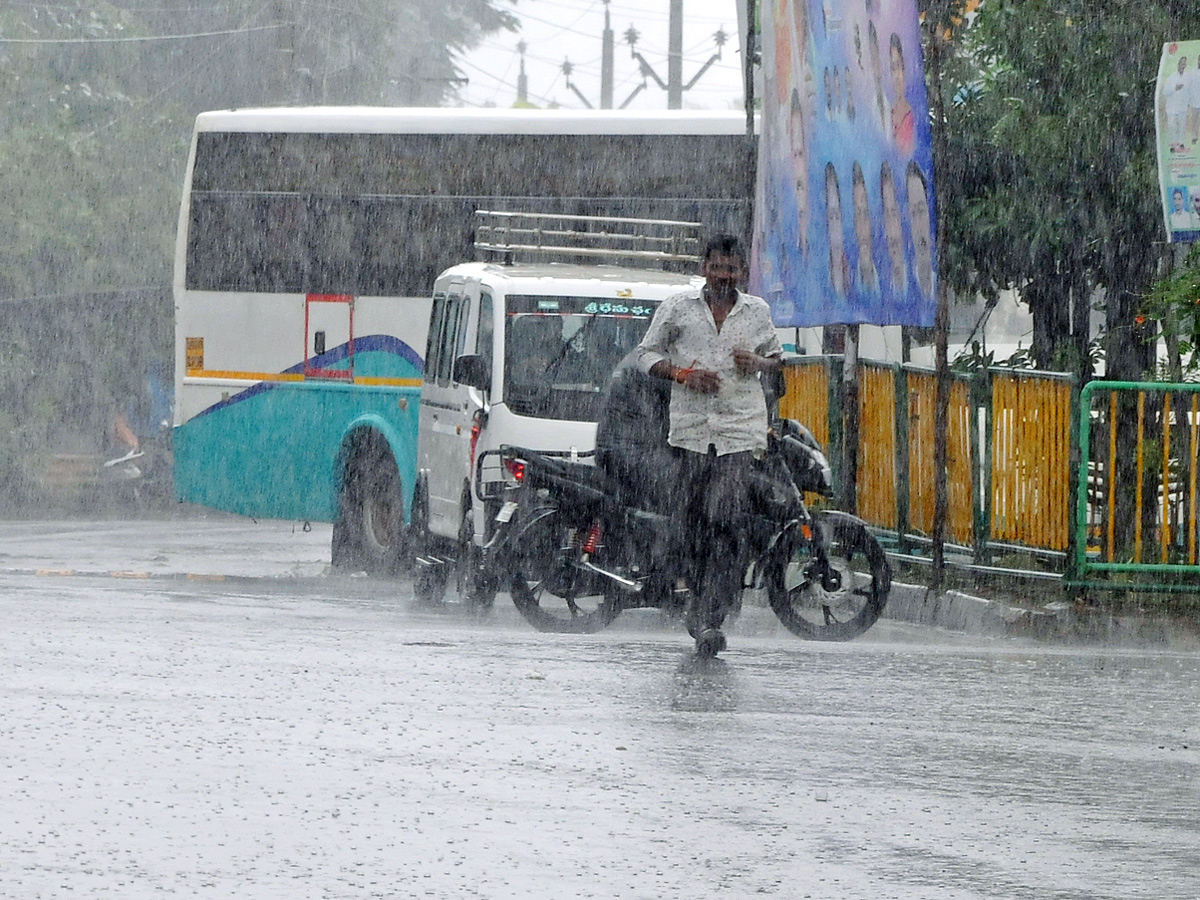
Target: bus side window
(485, 335)
(437, 322)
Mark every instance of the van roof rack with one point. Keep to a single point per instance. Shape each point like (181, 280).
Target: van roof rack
(508, 234)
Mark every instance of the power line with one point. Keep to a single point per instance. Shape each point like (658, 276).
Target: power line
(148, 38)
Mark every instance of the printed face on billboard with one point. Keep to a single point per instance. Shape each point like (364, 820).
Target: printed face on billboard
(922, 232)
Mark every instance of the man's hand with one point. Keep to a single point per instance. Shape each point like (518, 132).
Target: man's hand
(750, 363)
(702, 381)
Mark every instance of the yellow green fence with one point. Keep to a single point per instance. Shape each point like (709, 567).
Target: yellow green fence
(1136, 522)
(1009, 460)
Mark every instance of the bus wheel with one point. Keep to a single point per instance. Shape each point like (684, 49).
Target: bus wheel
(369, 533)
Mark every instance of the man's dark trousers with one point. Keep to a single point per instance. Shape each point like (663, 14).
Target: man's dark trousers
(713, 506)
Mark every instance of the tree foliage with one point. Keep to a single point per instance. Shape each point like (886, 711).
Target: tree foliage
(1172, 310)
(1052, 185)
(96, 108)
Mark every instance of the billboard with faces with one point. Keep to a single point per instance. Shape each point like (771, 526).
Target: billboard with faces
(844, 212)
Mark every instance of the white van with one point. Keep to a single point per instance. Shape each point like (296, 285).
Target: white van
(517, 354)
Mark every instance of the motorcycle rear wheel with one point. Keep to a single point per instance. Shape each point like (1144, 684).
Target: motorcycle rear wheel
(809, 609)
(548, 586)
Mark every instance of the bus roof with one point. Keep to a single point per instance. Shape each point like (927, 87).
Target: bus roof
(446, 120)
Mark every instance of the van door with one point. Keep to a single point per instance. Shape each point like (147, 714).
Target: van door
(445, 419)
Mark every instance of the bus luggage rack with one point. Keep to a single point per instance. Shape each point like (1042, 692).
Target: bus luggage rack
(508, 234)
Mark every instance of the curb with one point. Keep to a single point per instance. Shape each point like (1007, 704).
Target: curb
(957, 611)
(1057, 621)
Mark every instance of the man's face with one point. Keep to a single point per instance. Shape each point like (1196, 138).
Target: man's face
(1177, 201)
(722, 273)
(1196, 204)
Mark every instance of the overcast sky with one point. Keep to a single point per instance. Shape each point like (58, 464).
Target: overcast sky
(556, 29)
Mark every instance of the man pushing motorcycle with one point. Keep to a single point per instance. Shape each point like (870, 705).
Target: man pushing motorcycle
(712, 343)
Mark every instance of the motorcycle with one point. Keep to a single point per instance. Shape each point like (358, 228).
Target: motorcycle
(574, 556)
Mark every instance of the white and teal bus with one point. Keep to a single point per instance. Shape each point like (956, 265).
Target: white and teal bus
(309, 243)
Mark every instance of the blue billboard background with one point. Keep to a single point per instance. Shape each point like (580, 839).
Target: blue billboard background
(844, 212)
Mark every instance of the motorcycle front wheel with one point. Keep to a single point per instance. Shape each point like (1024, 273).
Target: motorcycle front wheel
(836, 608)
(548, 584)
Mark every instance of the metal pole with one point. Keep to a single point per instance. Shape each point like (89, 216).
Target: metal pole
(941, 326)
(749, 54)
(749, 58)
(850, 379)
(606, 63)
(675, 56)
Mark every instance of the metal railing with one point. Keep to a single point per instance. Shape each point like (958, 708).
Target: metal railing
(1008, 456)
(510, 234)
(1136, 520)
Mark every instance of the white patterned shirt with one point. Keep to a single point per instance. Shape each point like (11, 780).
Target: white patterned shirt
(684, 333)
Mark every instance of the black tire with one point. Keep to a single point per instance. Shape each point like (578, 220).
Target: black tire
(548, 588)
(477, 585)
(370, 533)
(800, 601)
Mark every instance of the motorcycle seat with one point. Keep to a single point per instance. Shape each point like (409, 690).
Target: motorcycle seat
(581, 479)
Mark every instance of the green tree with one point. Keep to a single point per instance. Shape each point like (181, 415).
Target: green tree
(1052, 185)
(96, 108)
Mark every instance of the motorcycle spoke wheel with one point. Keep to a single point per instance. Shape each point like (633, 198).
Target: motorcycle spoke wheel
(816, 611)
(547, 584)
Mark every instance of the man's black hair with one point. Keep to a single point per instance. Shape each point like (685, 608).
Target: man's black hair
(726, 245)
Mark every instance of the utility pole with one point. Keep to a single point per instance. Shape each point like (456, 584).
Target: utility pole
(675, 56)
(674, 85)
(606, 67)
(522, 79)
(674, 88)
(606, 63)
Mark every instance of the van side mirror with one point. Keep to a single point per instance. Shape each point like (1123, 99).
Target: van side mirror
(473, 371)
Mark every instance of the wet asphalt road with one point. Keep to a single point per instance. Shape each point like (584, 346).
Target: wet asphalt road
(286, 733)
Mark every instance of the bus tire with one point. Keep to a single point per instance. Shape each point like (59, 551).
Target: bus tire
(370, 534)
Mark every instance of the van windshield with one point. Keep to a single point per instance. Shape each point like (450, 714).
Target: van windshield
(560, 351)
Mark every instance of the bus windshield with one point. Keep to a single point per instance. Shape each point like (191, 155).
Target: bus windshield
(560, 351)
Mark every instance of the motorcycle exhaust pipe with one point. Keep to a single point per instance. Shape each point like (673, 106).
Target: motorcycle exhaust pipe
(629, 585)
